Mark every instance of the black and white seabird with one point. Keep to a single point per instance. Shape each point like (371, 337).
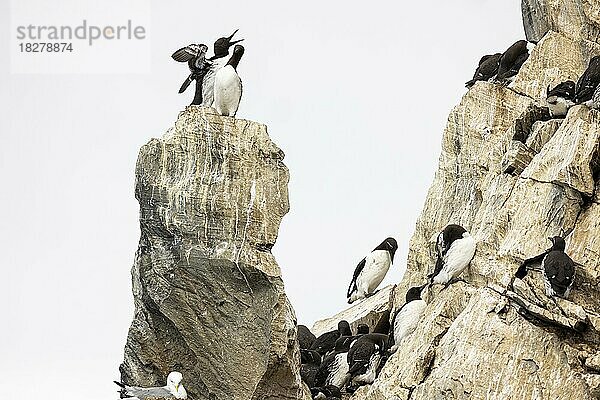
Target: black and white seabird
(217, 61)
(487, 69)
(407, 317)
(512, 60)
(326, 342)
(326, 393)
(228, 85)
(371, 270)
(311, 362)
(334, 368)
(455, 250)
(305, 337)
(195, 56)
(365, 356)
(560, 98)
(588, 82)
(173, 390)
(557, 267)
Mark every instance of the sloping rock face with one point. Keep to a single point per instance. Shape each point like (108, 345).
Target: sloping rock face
(209, 298)
(512, 177)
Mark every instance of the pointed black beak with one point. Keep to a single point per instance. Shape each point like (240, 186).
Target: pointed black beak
(231, 43)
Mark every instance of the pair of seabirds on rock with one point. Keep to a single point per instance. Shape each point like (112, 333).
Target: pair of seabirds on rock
(173, 390)
(218, 84)
(455, 249)
(502, 67)
(586, 91)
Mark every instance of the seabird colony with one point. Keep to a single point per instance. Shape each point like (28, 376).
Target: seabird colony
(356, 359)
(340, 359)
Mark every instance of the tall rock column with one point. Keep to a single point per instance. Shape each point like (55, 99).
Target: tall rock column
(209, 298)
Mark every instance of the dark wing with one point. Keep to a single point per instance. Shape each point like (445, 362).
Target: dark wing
(184, 54)
(186, 83)
(357, 272)
(439, 264)
(565, 90)
(325, 343)
(488, 67)
(522, 271)
(512, 69)
(359, 356)
(587, 83)
(383, 325)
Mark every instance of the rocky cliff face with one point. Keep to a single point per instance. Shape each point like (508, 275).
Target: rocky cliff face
(512, 177)
(209, 299)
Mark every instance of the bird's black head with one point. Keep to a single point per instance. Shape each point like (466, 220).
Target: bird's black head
(309, 357)
(558, 243)
(390, 245)
(222, 45)
(362, 329)
(344, 328)
(414, 293)
(453, 232)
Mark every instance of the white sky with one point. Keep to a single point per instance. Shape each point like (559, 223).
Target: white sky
(357, 95)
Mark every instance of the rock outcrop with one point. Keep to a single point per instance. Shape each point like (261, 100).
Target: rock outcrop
(209, 298)
(513, 177)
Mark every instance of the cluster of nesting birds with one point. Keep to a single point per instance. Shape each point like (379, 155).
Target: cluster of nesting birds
(218, 84)
(342, 360)
(503, 68)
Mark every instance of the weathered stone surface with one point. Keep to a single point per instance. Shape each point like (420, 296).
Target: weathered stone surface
(365, 311)
(579, 19)
(494, 336)
(209, 298)
(517, 158)
(555, 59)
(569, 158)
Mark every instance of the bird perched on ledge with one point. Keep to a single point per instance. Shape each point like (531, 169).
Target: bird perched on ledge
(560, 98)
(588, 82)
(228, 85)
(173, 390)
(486, 70)
(512, 59)
(369, 273)
(455, 250)
(195, 56)
(557, 267)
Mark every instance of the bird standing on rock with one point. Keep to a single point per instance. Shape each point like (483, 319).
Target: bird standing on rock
(408, 316)
(512, 59)
(369, 273)
(305, 337)
(228, 85)
(486, 70)
(557, 267)
(217, 61)
(311, 362)
(455, 250)
(195, 56)
(173, 390)
(560, 98)
(365, 357)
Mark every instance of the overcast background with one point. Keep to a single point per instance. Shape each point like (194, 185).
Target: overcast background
(356, 93)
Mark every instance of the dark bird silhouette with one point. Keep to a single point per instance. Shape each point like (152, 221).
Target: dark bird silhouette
(558, 268)
(195, 56)
(311, 362)
(486, 70)
(365, 356)
(512, 59)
